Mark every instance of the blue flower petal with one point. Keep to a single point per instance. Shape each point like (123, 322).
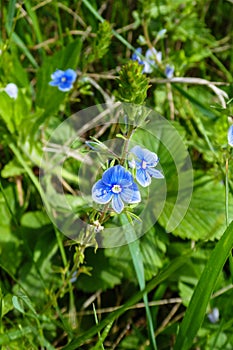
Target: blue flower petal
(136, 198)
(117, 203)
(135, 57)
(144, 154)
(155, 173)
(150, 158)
(138, 152)
(131, 194)
(117, 175)
(143, 177)
(57, 75)
(101, 193)
(71, 75)
(230, 136)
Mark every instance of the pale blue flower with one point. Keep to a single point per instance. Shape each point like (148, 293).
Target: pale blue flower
(136, 57)
(117, 186)
(213, 316)
(151, 55)
(161, 33)
(63, 79)
(12, 90)
(144, 161)
(169, 71)
(230, 135)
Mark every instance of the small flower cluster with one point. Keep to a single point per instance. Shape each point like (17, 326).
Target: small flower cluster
(117, 184)
(153, 57)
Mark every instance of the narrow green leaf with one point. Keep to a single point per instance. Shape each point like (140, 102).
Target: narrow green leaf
(10, 16)
(196, 310)
(18, 41)
(136, 255)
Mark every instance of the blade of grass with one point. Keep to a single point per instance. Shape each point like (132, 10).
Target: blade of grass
(135, 252)
(10, 16)
(100, 341)
(19, 42)
(196, 310)
(163, 275)
(35, 23)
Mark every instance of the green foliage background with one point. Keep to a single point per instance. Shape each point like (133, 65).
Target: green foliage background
(41, 305)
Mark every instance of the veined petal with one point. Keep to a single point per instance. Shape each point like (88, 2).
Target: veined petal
(155, 173)
(101, 193)
(143, 177)
(117, 203)
(117, 175)
(151, 158)
(136, 198)
(138, 152)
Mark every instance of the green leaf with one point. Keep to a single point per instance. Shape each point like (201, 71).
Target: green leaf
(196, 310)
(205, 218)
(18, 304)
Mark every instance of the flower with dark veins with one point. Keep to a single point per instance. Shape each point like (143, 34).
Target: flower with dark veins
(116, 186)
(144, 161)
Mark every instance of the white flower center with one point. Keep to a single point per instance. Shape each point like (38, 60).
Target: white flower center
(144, 164)
(63, 79)
(116, 188)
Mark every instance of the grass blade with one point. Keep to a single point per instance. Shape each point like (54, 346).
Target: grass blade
(135, 252)
(196, 310)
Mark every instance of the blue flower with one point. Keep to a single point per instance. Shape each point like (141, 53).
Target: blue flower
(117, 186)
(213, 316)
(136, 57)
(169, 71)
(151, 55)
(144, 161)
(63, 79)
(12, 90)
(230, 136)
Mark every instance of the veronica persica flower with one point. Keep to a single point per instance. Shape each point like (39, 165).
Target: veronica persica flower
(144, 161)
(152, 55)
(230, 136)
(116, 186)
(12, 90)
(63, 79)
